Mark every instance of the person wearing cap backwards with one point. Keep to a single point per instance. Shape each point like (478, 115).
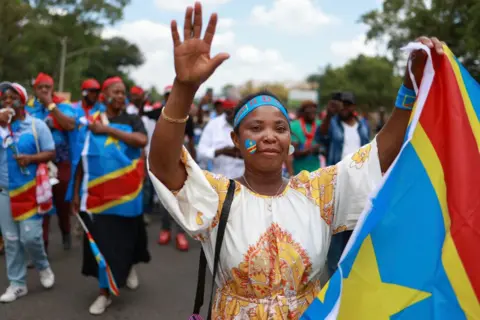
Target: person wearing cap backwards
(108, 185)
(26, 143)
(342, 133)
(165, 234)
(60, 118)
(307, 150)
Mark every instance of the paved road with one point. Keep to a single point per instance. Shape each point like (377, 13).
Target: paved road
(166, 291)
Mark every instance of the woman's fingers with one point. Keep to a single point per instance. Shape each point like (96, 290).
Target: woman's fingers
(426, 41)
(187, 25)
(216, 61)
(197, 21)
(210, 32)
(175, 35)
(432, 43)
(438, 45)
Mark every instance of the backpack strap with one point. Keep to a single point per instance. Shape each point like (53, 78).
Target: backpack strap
(218, 247)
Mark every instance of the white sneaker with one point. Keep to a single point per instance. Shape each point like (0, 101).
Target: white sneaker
(132, 280)
(13, 293)
(99, 306)
(47, 278)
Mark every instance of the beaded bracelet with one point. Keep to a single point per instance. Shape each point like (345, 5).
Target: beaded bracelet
(405, 98)
(172, 120)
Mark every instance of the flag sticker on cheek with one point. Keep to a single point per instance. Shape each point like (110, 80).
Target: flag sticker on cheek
(251, 146)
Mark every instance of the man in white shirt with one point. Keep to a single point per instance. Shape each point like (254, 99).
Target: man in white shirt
(216, 145)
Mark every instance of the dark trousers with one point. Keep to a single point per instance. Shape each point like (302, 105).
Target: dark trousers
(62, 206)
(337, 245)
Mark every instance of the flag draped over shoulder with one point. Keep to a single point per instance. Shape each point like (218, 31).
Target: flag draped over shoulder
(115, 173)
(414, 253)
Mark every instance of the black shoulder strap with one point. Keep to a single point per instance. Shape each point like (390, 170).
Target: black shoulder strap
(218, 247)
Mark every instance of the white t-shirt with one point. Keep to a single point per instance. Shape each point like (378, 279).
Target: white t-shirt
(351, 139)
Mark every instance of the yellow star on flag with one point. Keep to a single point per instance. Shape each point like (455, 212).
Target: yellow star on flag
(112, 140)
(366, 296)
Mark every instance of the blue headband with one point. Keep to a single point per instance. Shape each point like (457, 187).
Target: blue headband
(258, 101)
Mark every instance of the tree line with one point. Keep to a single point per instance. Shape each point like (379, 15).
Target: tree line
(375, 80)
(35, 33)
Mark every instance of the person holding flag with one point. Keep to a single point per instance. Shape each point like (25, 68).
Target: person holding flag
(27, 144)
(86, 110)
(278, 231)
(60, 117)
(414, 251)
(108, 186)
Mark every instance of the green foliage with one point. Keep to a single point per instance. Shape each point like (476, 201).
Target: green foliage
(454, 21)
(154, 95)
(372, 79)
(31, 34)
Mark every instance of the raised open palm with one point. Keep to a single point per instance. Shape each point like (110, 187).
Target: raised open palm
(193, 64)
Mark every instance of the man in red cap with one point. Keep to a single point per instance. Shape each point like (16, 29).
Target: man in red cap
(138, 101)
(60, 117)
(90, 94)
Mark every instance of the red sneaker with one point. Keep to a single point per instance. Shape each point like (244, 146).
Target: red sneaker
(182, 242)
(164, 237)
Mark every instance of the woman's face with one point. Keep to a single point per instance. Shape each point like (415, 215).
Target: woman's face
(116, 92)
(270, 130)
(11, 99)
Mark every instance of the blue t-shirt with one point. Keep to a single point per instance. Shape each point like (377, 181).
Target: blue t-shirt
(78, 136)
(20, 179)
(3, 160)
(36, 109)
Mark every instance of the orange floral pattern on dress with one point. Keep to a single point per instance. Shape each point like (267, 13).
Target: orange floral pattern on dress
(318, 186)
(220, 184)
(272, 282)
(199, 219)
(340, 229)
(361, 156)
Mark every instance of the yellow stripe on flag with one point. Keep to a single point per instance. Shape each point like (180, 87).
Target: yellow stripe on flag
(27, 215)
(472, 116)
(451, 260)
(118, 201)
(22, 189)
(113, 175)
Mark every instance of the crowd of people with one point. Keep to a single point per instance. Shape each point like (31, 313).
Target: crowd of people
(300, 182)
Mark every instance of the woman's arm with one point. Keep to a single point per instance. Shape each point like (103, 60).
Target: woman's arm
(67, 123)
(41, 157)
(193, 66)
(133, 139)
(391, 137)
(168, 137)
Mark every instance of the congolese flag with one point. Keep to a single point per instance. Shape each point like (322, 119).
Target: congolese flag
(105, 275)
(114, 174)
(415, 251)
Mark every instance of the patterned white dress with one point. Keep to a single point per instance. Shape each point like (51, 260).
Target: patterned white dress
(274, 248)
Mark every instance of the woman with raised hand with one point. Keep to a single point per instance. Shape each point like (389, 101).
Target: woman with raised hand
(278, 232)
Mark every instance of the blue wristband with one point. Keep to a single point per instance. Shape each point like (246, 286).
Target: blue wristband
(405, 98)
